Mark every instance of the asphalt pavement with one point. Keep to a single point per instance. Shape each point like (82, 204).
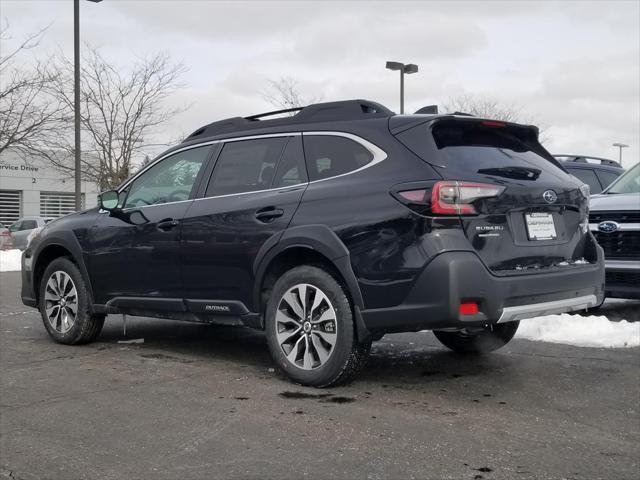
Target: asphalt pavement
(201, 402)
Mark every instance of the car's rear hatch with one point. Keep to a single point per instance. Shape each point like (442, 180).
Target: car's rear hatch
(535, 219)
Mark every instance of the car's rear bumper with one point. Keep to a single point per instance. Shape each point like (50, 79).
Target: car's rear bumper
(622, 278)
(455, 277)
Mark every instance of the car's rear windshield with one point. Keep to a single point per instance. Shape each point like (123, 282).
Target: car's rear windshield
(489, 145)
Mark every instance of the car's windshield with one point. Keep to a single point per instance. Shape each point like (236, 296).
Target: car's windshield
(628, 182)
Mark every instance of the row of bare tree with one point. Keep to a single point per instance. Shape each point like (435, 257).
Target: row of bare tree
(121, 109)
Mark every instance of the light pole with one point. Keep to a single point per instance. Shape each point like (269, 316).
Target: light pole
(76, 99)
(620, 146)
(408, 68)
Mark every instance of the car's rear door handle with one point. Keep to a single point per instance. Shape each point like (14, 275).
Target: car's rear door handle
(269, 214)
(167, 224)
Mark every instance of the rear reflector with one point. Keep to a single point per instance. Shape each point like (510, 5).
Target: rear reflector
(414, 196)
(468, 308)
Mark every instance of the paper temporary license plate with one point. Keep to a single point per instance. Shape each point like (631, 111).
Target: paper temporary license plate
(540, 226)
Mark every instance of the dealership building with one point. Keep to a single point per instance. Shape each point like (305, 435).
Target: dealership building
(32, 187)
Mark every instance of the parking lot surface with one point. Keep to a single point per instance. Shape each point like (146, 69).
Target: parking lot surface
(197, 401)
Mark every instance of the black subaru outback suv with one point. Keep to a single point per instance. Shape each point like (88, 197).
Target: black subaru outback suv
(328, 229)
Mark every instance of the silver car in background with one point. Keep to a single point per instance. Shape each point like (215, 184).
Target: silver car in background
(614, 219)
(21, 229)
(5, 237)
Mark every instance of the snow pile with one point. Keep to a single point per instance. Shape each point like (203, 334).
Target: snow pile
(10, 260)
(581, 331)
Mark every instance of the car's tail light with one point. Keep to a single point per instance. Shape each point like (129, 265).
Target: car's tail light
(448, 197)
(456, 198)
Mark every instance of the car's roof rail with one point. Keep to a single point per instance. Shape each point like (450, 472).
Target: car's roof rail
(572, 158)
(258, 116)
(319, 112)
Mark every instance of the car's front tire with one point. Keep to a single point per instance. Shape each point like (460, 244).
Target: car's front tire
(483, 340)
(310, 329)
(65, 304)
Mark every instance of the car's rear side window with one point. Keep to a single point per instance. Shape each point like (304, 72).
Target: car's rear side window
(328, 156)
(246, 166)
(606, 178)
(586, 176)
(28, 224)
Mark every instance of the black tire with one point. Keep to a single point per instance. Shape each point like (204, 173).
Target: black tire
(490, 338)
(86, 325)
(347, 356)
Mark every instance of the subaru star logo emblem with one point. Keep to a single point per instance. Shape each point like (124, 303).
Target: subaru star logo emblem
(550, 196)
(608, 227)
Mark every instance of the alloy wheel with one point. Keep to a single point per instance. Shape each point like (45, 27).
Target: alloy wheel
(306, 326)
(61, 301)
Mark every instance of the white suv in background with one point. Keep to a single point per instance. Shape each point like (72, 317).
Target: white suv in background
(614, 219)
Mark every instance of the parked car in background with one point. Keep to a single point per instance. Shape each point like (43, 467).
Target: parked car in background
(21, 229)
(596, 172)
(328, 229)
(614, 219)
(5, 237)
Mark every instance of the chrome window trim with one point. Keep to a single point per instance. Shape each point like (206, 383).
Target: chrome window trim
(378, 156)
(279, 189)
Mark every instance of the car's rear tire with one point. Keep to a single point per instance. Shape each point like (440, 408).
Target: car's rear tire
(65, 304)
(484, 340)
(310, 329)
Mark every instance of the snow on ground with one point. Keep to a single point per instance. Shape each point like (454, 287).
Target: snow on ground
(581, 331)
(10, 260)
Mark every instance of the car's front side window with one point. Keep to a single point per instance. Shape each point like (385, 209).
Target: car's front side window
(170, 180)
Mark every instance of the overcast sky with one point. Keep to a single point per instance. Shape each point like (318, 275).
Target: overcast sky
(573, 66)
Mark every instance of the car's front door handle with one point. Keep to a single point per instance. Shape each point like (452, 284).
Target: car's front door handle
(167, 224)
(269, 214)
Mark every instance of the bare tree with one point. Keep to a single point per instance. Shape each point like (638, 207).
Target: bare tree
(285, 93)
(120, 110)
(487, 107)
(29, 115)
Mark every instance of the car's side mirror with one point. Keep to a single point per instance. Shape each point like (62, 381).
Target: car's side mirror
(109, 200)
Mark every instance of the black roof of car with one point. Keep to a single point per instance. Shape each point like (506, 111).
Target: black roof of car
(319, 112)
(346, 110)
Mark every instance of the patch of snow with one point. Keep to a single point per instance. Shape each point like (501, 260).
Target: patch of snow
(10, 260)
(581, 331)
